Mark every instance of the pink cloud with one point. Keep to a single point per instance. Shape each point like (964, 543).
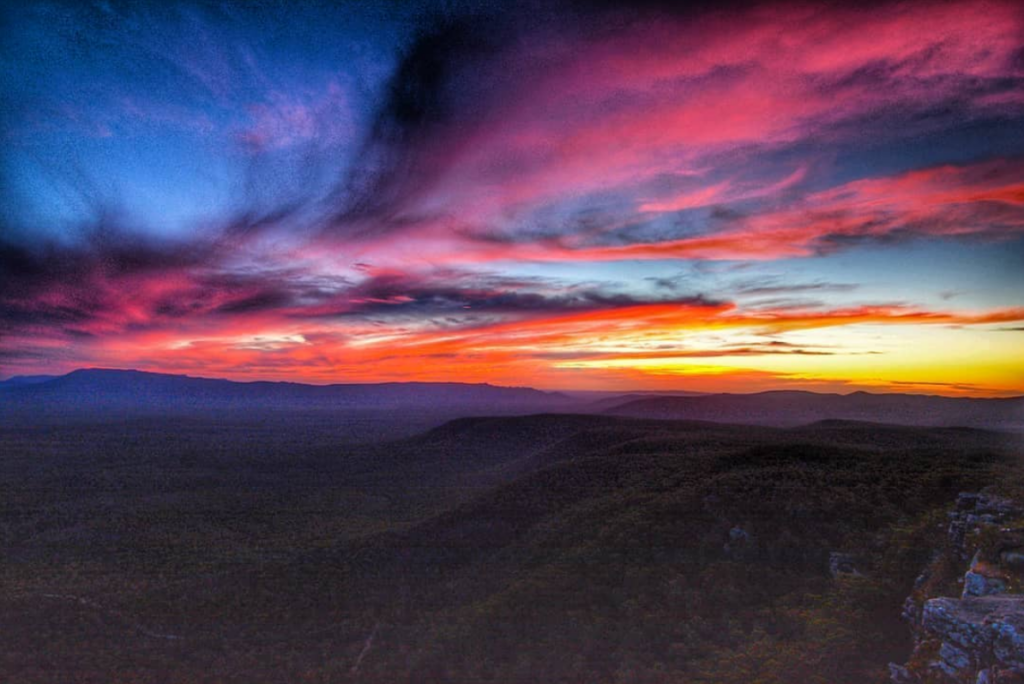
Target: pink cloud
(668, 97)
(985, 199)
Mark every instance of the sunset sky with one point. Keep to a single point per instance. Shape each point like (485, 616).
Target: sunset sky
(567, 196)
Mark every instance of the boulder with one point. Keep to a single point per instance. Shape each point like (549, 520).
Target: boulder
(977, 584)
(977, 633)
(983, 579)
(840, 564)
(898, 674)
(979, 638)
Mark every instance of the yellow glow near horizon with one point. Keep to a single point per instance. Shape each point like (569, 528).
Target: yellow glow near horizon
(951, 360)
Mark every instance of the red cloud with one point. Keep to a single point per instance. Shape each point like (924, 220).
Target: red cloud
(511, 351)
(671, 97)
(624, 128)
(984, 199)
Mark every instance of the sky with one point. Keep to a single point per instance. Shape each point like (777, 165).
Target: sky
(568, 195)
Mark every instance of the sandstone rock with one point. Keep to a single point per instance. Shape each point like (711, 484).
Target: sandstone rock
(840, 564)
(911, 613)
(978, 639)
(996, 506)
(954, 661)
(901, 675)
(977, 584)
(1008, 647)
(977, 632)
(977, 510)
(983, 579)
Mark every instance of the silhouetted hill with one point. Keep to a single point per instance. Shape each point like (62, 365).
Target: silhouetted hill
(710, 540)
(601, 401)
(788, 408)
(22, 380)
(101, 389)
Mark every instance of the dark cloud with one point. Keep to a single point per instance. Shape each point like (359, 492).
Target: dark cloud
(775, 286)
(461, 74)
(109, 279)
(462, 66)
(668, 282)
(68, 283)
(464, 294)
(787, 303)
(446, 82)
(681, 353)
(114, 281)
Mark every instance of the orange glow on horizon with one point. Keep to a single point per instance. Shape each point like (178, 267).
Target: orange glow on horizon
(699, 347)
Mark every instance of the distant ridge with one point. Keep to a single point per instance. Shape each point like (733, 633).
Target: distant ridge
(98, 392)
(98, 389)
(791, 408)
(22, 380)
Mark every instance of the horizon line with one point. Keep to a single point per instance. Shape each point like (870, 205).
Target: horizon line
(1017, 394)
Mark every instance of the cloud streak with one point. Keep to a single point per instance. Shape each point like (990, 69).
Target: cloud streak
(669, 101)
(476, 189)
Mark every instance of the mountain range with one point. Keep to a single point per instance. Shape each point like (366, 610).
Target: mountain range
(790, 408)
(118, 389)
(98, 391)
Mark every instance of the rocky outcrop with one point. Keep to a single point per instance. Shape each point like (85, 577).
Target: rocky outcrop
(984, 579)
(977, 634)
(975, 512)
(978, 638)
(843, 564)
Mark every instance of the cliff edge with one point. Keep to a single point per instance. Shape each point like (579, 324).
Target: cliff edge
(977, 638)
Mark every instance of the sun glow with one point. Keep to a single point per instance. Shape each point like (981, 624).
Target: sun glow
(816, 196)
